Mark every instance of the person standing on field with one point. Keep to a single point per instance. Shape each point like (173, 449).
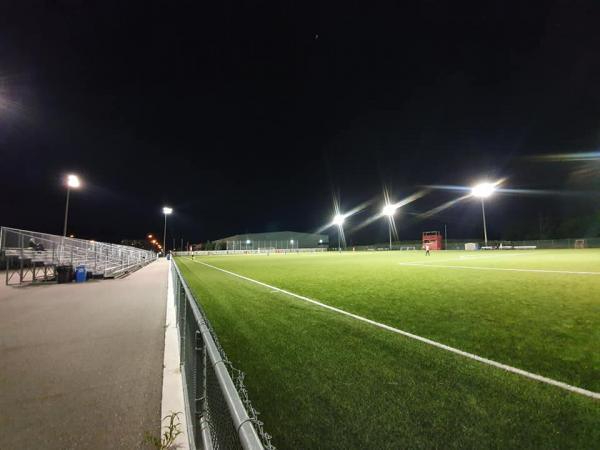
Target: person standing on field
(426, 249)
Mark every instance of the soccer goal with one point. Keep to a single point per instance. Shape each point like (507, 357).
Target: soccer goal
(579, 243)
(471, 246)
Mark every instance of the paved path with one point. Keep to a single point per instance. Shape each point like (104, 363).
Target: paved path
(81, 365)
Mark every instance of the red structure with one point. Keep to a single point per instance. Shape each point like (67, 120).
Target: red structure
(434, 239)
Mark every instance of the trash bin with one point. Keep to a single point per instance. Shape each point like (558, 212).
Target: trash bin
(64, 274)
(80, 274)
(169, 257)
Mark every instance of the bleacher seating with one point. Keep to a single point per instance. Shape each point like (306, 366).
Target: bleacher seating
(33, 257)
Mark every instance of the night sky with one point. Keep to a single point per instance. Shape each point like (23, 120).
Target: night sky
(252, 116)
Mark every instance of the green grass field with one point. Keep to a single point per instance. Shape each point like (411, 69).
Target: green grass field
(324, 380)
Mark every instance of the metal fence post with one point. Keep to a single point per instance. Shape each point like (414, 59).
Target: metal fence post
(199, 381)
(22, 259)
(182, 324)
(204, 423)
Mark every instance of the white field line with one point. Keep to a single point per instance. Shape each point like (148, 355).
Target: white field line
(505, 269)
(524, 373)
(463, 258)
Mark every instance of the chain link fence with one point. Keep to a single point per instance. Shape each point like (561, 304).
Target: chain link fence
(459, 244)
(220, 414)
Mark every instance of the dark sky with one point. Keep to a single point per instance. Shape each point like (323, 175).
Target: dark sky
(250, 116)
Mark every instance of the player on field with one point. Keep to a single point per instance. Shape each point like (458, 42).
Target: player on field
(426, 249)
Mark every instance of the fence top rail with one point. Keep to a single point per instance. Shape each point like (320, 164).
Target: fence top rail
(247, 433)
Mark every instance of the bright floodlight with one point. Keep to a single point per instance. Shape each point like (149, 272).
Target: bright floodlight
(389, 210)
(339, 219)
(483, 190)
(291, 241)
(167, 210)
(73, 181)
(247, 241)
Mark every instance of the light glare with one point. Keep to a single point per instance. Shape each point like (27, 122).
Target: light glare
(73, 181)
(389, 210)
(339, 219)
(167, 210)
(483, 190)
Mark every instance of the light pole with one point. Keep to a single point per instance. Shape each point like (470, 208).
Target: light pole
(339, 221)
(483, 191)
(389, 211)
(166, 211)
(72, 182)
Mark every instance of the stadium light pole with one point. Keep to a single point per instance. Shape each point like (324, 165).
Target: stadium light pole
(389, 211)
(339, 221)
(166, 211)
(483, 191)
(72, 182)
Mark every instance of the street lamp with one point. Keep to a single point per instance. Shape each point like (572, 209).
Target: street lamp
(339, 221)
(166, 211)
(483, 191)
(389, 211)
(72, 182)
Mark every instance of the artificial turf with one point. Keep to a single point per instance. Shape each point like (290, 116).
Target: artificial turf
(322, 380)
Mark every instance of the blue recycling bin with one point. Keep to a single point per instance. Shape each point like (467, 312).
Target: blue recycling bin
(80, 274)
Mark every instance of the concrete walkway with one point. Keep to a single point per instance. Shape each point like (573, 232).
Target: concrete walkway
(81, 364)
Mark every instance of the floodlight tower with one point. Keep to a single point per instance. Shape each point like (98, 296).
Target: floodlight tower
(339, 221)
(389, 211)
(72, 182)
(483, 191)
(166, 211)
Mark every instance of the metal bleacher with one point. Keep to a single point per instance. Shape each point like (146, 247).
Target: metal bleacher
(31, 257)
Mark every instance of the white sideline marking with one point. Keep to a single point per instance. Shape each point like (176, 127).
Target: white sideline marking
(500, 268)
(524, 373)
(463, 258)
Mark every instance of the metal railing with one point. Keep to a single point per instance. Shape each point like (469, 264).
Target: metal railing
(220, 414)
(31, 249)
